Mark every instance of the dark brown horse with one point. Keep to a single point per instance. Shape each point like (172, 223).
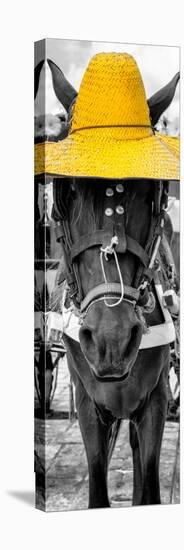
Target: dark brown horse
(113, 281)
(113, 237)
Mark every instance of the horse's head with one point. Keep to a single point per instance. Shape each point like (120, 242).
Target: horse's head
(111, 331)
(107, 221)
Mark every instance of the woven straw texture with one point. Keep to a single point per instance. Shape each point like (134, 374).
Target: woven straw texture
(110, 135)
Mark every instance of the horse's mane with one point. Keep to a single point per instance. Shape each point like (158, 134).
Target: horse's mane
(89, 199)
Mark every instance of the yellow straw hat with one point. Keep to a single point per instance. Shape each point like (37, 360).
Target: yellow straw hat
(111, 134)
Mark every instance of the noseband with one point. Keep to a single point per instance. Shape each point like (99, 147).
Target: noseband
(112, 241)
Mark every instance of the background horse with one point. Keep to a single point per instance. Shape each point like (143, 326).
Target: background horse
(52, 92)
(55, 94)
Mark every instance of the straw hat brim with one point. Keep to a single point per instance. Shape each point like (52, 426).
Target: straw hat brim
(90, 153)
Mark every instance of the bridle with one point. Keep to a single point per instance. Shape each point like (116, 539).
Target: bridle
(112, 241)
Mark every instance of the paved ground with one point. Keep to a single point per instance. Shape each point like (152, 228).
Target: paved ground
(66, 466)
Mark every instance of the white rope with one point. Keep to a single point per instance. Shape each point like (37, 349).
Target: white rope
(109, 249)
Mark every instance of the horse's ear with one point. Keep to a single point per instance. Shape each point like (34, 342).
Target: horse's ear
(37, 72)
(159, 102)
(63, 89)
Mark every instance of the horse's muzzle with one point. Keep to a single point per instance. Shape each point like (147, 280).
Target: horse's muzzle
(111, 348)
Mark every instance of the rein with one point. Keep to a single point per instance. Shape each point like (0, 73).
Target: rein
(112, 240)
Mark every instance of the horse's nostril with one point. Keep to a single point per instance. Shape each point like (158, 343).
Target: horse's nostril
(86, 333)
(134, 332)
(87, 341)
(134, 337)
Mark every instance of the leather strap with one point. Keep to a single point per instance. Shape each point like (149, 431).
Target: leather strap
(102, 238)
(97, 238)
(136, 249)
(59, 231)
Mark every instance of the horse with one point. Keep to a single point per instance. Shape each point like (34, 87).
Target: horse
(113, 379)
(116, 257)
(51, 83)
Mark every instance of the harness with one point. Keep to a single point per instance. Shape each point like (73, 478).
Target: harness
(113, 241)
